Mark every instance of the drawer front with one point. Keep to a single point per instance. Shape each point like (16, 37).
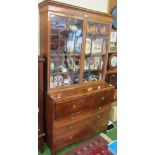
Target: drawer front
(92, 123)
(71, 138)
(70, 107)
(103, 98)
(81, 134)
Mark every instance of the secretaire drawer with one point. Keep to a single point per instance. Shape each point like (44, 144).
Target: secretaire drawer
(92, 101)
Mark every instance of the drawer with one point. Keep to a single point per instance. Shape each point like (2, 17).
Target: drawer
(71, 138)
(77, 135)
(103, 98)
(89, 122)
(92, 101)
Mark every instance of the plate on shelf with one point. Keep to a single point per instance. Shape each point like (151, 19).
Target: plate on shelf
(114, 22)
(86, 64)
(97, 45)
(88, 46)
(71, 63)
(113, 61)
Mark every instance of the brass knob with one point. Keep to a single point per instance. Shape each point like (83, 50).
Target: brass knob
(71, 117)
(99, 116)
(70, 137)
(74, 106)
(103, 98)
(99, 87)
(99, 108)
(90, 89)
(59, 96)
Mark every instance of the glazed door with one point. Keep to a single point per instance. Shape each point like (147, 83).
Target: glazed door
(96, 48)
(65, 50)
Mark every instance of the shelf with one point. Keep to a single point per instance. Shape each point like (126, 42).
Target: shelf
(66, 55)
(112, 71)
(91, 70)
(111, 52)
(94, 55)
(59, 29)
(64, 73)
(97, 34)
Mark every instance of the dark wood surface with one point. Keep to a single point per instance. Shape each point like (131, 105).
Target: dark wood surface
(79, 104)
(40, 104)
(112, 79)
(74, 118)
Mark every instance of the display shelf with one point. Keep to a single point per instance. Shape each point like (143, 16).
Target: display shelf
(68, 54)
(72, 40)
(64, 73)
(111, 71)
(112, 52)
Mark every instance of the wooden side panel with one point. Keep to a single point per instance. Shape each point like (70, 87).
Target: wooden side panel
(45, 40)
(43, 33)
(40, 104)
(49, 121)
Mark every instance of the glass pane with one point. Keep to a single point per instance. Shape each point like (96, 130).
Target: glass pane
(96, 48)
(66, 46)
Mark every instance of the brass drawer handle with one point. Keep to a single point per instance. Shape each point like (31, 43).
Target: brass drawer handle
(70, 137)
(90, 89)
(99, 87)
(99, 116)
(103, 98)
(74, 106)
(71, 127)
(71, 117)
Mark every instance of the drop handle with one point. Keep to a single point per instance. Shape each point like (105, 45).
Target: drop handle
(103, 98)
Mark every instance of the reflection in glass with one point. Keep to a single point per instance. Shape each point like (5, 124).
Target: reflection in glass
(96, 47)
(66, 46)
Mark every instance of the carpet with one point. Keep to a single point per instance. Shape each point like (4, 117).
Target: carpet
(95, 146)
(112, 134)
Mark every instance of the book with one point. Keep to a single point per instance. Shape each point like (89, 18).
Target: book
(113, 147)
